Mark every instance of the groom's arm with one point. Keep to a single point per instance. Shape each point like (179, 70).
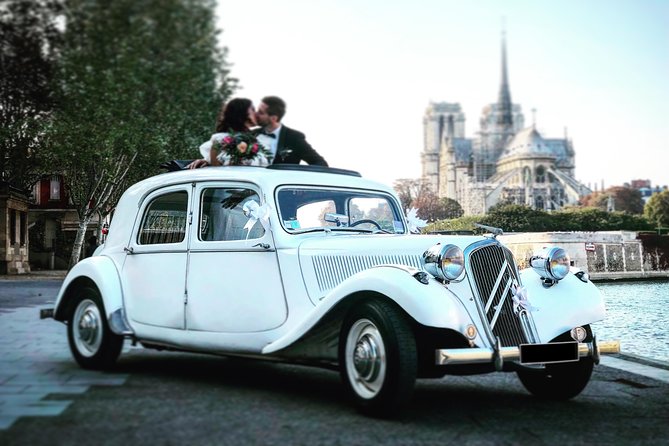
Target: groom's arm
(307, 153)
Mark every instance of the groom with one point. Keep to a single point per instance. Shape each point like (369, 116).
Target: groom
(287, 145)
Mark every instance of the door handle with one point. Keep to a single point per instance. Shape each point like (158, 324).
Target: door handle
(129, 250)
(262, 245)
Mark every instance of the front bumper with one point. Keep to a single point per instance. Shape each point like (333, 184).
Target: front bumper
(499, 355)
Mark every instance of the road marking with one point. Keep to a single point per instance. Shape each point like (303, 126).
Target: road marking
(634, 367)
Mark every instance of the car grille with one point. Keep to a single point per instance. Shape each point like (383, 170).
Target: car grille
(494, 275)
(331, 270)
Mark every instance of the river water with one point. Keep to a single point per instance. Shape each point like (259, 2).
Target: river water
(638, 316)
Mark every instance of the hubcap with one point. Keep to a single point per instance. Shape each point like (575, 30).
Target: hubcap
(365, 358)
(87, 328)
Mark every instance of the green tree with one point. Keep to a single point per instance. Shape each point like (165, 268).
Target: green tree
(452, 208)
(657, 209)
(517, 218)
(29, 42)
(140, 82)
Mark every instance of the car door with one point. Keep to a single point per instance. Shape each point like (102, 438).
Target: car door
(234, 284)
(154, 271)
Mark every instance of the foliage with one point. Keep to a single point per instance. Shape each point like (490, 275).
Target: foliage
(657, 209)
(139, 83)
(417, 193)
(29, 44)
(466, 223)
(408, 189)
(452, 208)
(519, 218)
(625, 199)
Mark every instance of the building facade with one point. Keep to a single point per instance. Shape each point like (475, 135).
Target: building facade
(505, 162)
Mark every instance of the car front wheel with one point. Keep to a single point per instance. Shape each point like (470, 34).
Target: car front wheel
(92, 343)
(377, 357)
(558, 381)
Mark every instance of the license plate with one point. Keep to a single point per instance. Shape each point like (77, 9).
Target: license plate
(548, 353)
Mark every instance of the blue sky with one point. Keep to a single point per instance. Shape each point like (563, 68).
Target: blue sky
(358, 75)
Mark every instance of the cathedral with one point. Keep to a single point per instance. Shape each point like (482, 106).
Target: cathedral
(505, 162)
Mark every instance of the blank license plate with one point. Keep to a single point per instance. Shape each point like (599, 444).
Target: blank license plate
(547, 353)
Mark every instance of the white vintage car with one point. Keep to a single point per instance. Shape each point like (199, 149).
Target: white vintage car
(317, 266)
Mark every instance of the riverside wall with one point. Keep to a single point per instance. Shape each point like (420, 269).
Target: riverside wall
(609, 255)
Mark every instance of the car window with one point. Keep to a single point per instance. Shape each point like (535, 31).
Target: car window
(164, 220)
(222, 214)
(307, 208)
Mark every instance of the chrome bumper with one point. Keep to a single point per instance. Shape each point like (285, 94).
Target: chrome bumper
(499, 355)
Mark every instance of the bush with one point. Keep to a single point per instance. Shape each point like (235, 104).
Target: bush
(519, 218)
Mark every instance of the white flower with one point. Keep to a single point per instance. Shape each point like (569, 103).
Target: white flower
(415, 223)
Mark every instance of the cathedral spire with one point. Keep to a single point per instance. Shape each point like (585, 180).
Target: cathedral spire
(504, 117)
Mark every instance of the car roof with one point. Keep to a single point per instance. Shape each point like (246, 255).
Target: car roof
(266, 177)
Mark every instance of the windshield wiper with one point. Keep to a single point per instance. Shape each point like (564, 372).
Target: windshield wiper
(328, 229)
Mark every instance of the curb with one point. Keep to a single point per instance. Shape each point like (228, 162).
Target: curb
(36, 275)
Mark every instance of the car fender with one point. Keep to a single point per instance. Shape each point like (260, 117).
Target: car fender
(566, 304)
(101, 272)
(429, 304)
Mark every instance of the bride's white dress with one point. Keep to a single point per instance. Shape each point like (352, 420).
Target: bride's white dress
(259, 160)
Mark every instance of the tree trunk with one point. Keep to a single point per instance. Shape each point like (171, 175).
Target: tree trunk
(79, 240)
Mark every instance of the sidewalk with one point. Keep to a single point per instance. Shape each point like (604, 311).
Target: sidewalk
(46, 274)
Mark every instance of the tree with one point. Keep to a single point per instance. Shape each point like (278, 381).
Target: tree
(140, 82)
(452, 208)
(657, 209)
(418, 193)
(625, 199)
(408, 189)
(29, 43)
(517, 218)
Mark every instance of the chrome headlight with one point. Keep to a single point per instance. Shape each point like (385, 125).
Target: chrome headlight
(444, 262)
(551, 263)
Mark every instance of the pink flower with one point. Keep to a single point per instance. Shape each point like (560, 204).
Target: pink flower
(228, 139)
(254, 149)
(242, 146)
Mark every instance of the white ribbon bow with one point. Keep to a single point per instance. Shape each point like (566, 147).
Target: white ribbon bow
(256, 213)
(520, 300)
(414, 222)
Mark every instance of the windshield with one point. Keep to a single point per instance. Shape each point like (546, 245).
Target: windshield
(302, 208)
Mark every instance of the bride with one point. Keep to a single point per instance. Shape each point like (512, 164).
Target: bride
(236, 118)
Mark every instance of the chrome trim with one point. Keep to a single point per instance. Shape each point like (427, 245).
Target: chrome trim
(482, 355)
(512, 332)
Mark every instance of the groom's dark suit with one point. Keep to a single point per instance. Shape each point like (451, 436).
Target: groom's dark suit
(293, 147)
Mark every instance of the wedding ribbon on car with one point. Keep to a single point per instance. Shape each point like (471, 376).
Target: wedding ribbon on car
(414, 222)
(256, 213)
(520, 300)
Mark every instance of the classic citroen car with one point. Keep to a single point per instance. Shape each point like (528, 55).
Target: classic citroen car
(319, 266)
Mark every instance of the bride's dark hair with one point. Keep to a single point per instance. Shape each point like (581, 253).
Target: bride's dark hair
(234, 116)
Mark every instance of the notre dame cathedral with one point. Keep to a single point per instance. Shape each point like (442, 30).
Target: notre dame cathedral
(506, 161)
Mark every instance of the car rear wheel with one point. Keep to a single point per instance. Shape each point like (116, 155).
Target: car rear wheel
(377, 357)
(558, 381)
(92, 343)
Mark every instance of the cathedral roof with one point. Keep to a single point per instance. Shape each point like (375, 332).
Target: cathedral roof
(528, 143)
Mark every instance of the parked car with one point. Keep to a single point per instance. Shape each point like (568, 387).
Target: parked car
(314, 265)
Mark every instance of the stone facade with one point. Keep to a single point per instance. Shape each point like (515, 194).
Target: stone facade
(13, 231)
(506, 162)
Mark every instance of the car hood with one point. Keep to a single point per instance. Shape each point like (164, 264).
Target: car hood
(329, 260)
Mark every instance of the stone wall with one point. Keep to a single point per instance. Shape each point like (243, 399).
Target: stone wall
(604, 255)
(13, 231)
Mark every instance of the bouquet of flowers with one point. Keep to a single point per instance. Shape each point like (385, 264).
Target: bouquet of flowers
(240, 148)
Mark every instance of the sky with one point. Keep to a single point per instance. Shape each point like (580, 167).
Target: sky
(358, 75)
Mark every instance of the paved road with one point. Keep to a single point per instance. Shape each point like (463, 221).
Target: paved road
(175, 399)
